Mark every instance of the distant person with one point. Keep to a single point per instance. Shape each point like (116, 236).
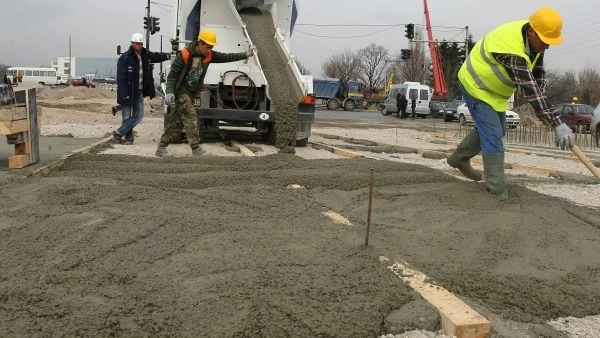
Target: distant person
(185, 79)
(134, 82)
(508, 58)
(401, 104)
(20, 77)
(15, 79)
(413, 106)
(6, 81)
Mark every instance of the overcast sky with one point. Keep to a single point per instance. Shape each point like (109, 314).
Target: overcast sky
(36, 31)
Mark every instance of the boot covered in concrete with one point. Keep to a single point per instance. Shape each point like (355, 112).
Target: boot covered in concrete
(493, 166)
(197, 152)
(161, 151)
(461, 158)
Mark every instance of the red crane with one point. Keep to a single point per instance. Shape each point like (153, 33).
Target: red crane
(440, 89)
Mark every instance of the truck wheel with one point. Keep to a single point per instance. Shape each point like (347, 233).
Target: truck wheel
(349, 105)
(385, 112)
(269, 136)
(302, 142)
(333, 104)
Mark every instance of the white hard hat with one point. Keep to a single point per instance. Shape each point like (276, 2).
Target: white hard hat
(137, 37)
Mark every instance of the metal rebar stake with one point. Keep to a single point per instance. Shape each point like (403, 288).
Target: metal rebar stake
(369, 210)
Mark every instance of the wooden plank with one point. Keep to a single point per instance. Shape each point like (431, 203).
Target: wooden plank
(22, 149)
(243, 149)
(336, 217)
(457, 318)
(13, 127)
(34, 131)
(18, 161)
(12, 113)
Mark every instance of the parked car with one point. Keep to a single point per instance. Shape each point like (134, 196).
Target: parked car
(437, 108)
(595, 125)
(464, 116)
(576, 116)
(452, 111)
(512, 119)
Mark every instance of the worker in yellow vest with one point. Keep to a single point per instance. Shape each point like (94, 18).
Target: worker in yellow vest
(508, 58)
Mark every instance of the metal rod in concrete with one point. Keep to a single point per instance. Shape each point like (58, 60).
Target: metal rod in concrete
(369, 210)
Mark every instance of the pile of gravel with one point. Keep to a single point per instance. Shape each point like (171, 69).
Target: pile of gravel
(261, 30)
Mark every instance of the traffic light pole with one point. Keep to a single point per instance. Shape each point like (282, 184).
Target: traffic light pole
(148, 28)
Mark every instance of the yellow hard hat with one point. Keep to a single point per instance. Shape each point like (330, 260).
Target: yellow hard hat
(208, 36)
(547, 23)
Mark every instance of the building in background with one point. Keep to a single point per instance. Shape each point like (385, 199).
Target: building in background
(100, 68)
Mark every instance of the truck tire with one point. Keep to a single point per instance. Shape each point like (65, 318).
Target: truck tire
(349, 105)
(333, 104)
(385, 112)
(302, 142)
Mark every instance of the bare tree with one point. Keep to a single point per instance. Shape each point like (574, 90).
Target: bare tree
(3, 69)
(372, 66)
(589, 79)
(343, 65)
(302, 68)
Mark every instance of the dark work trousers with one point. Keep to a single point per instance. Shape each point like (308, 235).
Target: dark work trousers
(413, 112)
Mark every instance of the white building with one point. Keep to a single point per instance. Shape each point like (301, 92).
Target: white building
(102, 68)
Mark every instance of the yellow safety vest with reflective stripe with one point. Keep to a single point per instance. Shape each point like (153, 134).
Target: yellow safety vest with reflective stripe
(484, 77)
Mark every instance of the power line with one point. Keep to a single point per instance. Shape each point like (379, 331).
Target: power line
(347, 37)
(164, 9)
(158, 3)
(371, 25)
(582, 14)
(565, 51)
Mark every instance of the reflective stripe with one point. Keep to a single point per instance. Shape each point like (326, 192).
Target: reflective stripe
(475, 76)
(495, 69)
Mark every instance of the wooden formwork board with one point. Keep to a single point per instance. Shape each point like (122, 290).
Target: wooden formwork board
(19, 121)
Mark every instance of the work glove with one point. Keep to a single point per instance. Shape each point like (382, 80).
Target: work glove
(251, 51)
(170, 98)
(564, 136)
(127, 101)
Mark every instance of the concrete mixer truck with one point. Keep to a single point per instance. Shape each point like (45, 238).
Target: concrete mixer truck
(238, 94)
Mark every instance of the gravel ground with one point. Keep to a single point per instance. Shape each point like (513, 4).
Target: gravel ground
(396, 136)
(578, 327)
(548, 163)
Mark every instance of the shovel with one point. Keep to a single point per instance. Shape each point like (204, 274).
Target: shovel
(586, 161)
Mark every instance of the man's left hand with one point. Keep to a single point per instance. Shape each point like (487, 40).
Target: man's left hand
(251, 51)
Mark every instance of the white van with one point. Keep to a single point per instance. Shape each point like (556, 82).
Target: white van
(422, 93)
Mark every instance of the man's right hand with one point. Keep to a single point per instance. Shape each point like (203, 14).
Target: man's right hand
(564, 136)
(170, 98)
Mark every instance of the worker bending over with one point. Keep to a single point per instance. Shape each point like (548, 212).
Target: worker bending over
(509, 57)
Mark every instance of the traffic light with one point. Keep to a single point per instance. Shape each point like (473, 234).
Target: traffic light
(147, 22)
(410, 31)
(405, 54)
(155, 25)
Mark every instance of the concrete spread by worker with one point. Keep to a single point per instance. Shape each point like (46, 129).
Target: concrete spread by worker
(185, 79)
(508, 58)
(134, 82)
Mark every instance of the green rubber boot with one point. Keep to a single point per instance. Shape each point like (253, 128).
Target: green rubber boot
(461, 158)
(493, 166)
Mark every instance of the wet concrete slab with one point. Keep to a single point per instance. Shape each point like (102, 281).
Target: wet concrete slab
(51, 149)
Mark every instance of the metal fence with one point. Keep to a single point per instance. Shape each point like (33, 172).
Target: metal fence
(536, 135)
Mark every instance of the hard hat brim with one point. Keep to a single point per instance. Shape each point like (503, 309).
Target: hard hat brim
(551, 41)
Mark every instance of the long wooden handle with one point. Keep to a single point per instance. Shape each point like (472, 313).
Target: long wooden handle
(586, 161)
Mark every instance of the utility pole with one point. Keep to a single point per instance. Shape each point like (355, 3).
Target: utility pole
(466, 42)
(70, 63)
(148, 28)
(161, 68)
